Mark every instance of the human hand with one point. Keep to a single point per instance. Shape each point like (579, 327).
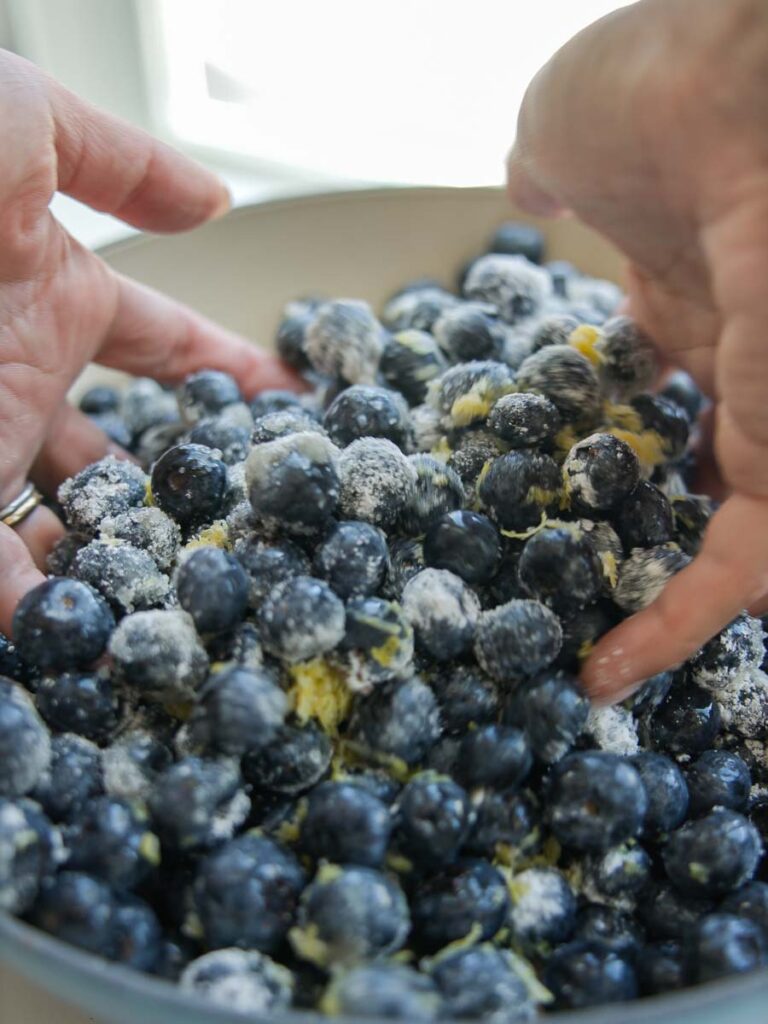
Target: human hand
(650, 126)
(61, 306)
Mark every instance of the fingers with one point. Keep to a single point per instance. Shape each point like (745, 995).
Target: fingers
(119, 169)
(73, 442)
(40, 531)
(18, 573)
(729, 574)
(153, 336)
(525, 193)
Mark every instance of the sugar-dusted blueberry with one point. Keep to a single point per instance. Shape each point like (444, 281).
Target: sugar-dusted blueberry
(344, 339)
(438, 489)
(348, 915)
(650, 693)
(366, 411)
(111, 839)
(515, 286)
(666, 419)
(377, 482)
(519, 488)
(269, 564)
(213, 588)
(467, 331)
(132, 764)
(482, 983)
(301, 619)
(644, 517)
(127, 577)
(31, 852)
(722, 944)
(666, 791)
(472, 450)
(105, 488)
(583, 973)
(345, 824)
(681, 389)
(468, 899)
(553, 329)
(466, 393)
(292, 761)
(559, 567)
(147, 404)
(617, 876)
(718, 778)
(353, 559)
(627, 357)
(738, 646)
(524, 420)
(25, 744)
(464, 542)
(494, 756)
(467, 697)
(750, 902)
(645, 573)
(686, 722)
(80, 702)
(406, 556)
(399, 719)
(564, 376)
(552, 708)
(595, 800)
(197, 803)
(714, 854)
(514, 238)
(611, 927)
(660, 967)
(240, 980)
(517, 639)
(225, 434)
(503, 820)
(237, 710)
(291, 337)
(600, 471)
(205, 393)
(73, 777)
(410, 360)
(543, 909)
(434, 817)
(417, 307)
(149, 529)
(159, 653)
(378, 642)
(99, 399)
(245, 894)
(189, 483)
(78, 909)
(388, 991)
(284, 422)
(443, 612)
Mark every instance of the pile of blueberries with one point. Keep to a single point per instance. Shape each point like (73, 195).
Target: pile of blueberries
(295, 721)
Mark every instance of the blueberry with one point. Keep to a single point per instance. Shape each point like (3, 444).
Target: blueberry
(566, 378)
(61, 624)
(559, 567)
(660, 968)
(197, 803)
(466, 393)
(644, 518)
(386, 991)
(494, 756)
(137, 935)
(237, 710)
(81, 703)
(207, 392)
(466, 696)
(213, 588)
(283, 423)
(344, 339)
(466, 900)
(465, 543)
(378, 642)
(666, 419)
(345, 824)
(718, 778)
(269, 564)
(105, 488)
(410, 360)
(147, 404)
(733, 649)
(231, 438)
(364, 411)
(554, 329)
(482, 984)
(582, 630)
(99, 399)
(125, 576)
(159, 653)
(651, 693)
(686, 722)
(668, 913)
(245, 893)
(582, 974)
(543, 910)
(467, 331)
(666, 791)
(750, 902)
(417, 308)
(519, 488)
(472, 449)
(406, 556)
(189, 483)
(399, 719)
(110, 839)
(353, 559)
(12, 665)
(350, 914)
(290, 338)
(72, 779)
(517, 639)
(512, 284)
(552, 708)
(31, 849)
(691, 514)
(240, 980)
(25, 745)
(524, 420)
(713, 855)
(503, 820)
(618, 875)
(595, 800)
(517, 239)
(79, 910)
(292, 761)
(627, 357)
(611, 928)
(113, 425)
(600, 472)
(149, 529)
(723, 944)
(438, 489)
(443, 612)
(434, 817)
(301, 619)
(681, 389)
(133, 763)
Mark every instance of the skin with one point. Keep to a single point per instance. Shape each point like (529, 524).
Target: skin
(652, 127)
(62, 307)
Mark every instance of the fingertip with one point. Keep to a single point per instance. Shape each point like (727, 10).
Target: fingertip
(19, 575)
(610, 673)
(525, 193)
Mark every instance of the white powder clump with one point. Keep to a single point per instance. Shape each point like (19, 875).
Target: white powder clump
(443, 611)
(105, 488)
(645, 573)
(613, 729)
(542, 901)
(147, 528)
(243, 981)
(377, 481)
(743, 700)
(344, 339)
(514, 285)
(131, 764)
(160, 653)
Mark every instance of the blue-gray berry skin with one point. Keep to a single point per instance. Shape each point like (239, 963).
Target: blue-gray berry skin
(62, 623)
(718, 778)
(292, 761)
(583, 973)
(25, 745)
(399, 719)
(230, 438)
(644, 518)
(238, 710)
(667, 913)
(206, 393)
(519, 489)
(566, 378)
(73, 777)
(30, 852)
(301, 619)
(517, 639)
(512, 284)
(189, 483)
(213, 588)
(443, 611)
(524, 420)
(198, 803)
(111, 839)
(353, 559)
(238, 979)
(595, 800)
(78, 909)
(713, 855)
(627, 358)
(660, 968)
(552, 708)
(137, 935)
(80, 702)
(468, 332)
(723, 944)
(417, 308)
(505, 817)
(438, 489)
(105, 488)
(514, 238)
(125, 576)
(481, 983)
(494, 756)
(686, 722)
(267, 565)
(468, 896)
(365, 411)
(611, 927)
(345, 824)
(467, 698)
(384, 991)
(666, 790)
(434, 817)
(560, 568)
(274, 400)
(750, 902)
(410, 360)
(465, 543)
(600, 472)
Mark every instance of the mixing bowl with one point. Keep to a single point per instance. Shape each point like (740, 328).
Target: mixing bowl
(241, 271)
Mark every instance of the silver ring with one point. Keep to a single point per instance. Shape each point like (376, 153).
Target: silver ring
(21, 506)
